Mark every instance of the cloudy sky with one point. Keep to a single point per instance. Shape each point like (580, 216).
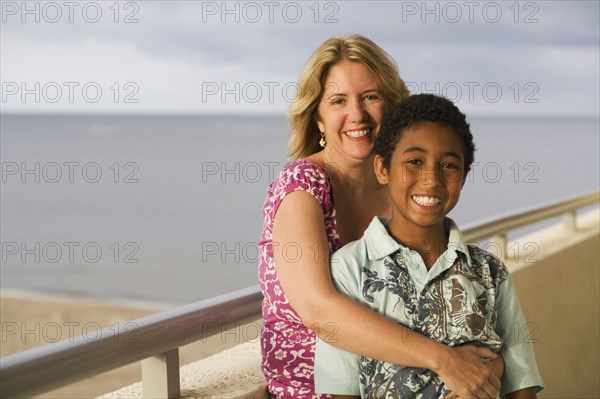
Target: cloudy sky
(493, 58)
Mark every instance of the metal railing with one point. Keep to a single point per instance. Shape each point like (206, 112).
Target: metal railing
(157, 337)
(497, 230)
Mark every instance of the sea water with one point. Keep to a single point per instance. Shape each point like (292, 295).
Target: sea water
(169, 208)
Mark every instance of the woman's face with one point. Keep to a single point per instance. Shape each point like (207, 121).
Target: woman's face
(350, 110)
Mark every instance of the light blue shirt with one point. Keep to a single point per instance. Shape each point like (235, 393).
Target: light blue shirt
(466, 297)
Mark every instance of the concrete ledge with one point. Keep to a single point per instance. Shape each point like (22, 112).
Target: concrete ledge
(559, 291)
(232, 374)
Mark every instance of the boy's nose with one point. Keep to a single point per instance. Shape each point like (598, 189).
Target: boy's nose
(432, 177)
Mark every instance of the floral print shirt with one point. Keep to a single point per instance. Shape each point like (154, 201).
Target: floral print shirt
(466, 297)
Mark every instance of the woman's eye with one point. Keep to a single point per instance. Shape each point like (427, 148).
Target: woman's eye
(337, 101)
(372, 97)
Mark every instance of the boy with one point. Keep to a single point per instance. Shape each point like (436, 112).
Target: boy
(417, 269)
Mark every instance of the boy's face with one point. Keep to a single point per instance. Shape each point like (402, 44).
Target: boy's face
(425, 175)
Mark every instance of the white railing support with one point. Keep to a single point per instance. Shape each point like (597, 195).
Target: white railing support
(160, 375)
(570, 220)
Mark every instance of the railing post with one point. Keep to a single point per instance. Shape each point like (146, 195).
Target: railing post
(160, 376)
(570, 220)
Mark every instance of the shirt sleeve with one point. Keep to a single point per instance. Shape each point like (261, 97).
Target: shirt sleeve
(520, 367)
(337, 371)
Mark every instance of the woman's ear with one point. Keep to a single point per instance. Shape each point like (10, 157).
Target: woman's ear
(320, 124)
(380, 170)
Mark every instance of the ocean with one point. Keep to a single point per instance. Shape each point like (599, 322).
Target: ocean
(169, 208)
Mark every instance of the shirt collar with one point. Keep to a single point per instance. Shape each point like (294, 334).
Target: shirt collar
(380, 244)
(456, 241)
(378, 241)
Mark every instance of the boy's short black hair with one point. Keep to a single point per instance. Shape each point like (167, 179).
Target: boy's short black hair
(419, 108)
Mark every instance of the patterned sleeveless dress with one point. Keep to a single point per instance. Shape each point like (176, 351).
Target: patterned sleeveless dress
(288, 347)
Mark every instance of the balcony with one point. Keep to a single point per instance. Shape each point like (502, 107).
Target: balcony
(553, 253)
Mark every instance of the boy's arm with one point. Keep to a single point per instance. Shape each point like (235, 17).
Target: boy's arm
(521, 370)
(527, 393)
(336, 371)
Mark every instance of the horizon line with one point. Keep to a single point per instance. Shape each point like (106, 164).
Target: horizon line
(271, 114)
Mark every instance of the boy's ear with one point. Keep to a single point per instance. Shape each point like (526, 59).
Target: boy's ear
(380, 171)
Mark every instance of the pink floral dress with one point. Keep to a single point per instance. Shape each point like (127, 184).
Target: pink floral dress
(288, 347)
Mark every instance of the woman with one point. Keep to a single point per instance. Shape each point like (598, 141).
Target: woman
(323, 200)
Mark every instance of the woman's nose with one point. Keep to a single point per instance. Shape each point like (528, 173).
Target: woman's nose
(358, 112)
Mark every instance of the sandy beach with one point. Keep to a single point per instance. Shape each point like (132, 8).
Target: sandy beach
(30, 320)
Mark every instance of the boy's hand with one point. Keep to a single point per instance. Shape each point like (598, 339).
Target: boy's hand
(464, 372)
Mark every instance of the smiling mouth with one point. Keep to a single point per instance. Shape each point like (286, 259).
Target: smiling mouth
(426, 201)
(357, 134)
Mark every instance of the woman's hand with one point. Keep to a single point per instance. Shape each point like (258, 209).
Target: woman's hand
(496, 366)
(464, 372)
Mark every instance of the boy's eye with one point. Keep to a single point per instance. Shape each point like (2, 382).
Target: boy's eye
(414, 162)
(450, 166)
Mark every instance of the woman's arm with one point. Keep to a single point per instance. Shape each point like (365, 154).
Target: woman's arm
(306, 280)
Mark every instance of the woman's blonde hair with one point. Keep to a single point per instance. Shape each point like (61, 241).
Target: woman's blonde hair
(304, 130)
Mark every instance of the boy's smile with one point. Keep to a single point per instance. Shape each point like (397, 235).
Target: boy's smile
(425, 178)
